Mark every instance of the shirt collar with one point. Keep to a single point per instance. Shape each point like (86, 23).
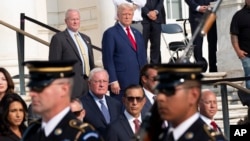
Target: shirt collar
(52, 123)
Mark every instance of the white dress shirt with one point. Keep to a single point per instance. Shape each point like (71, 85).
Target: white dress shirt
(52, 123)
(131, 120)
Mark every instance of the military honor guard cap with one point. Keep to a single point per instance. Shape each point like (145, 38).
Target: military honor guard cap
(42, 73)
(173, 74)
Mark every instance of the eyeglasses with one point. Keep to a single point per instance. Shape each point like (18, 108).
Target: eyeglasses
(77, 113)
(132, 99)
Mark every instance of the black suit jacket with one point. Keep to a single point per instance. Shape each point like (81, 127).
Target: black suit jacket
(198, 131)
(119, 130)
(94, 115)
(193, 4)
(63, 131)
(153, 5)
(63, 47)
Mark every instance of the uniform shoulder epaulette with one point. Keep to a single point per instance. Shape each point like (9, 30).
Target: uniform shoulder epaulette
(85, 130)
(214, 135)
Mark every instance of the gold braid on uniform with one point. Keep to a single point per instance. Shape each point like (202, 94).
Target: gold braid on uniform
(79, 126)
(210, 132)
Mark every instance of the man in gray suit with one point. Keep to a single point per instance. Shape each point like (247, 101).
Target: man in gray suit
(70, 44)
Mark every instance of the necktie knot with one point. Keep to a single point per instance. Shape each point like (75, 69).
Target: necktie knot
(137, 125)
(214, 125)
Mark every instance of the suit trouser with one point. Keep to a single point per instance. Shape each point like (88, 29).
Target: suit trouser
(152, 32)
(212, 46)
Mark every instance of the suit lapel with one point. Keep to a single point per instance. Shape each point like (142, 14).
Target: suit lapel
(72, 43)
(124, 35)
(91, 102)
(111, 108)
(125, 124)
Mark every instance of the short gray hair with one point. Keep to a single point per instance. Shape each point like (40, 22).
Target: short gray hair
(95, 70)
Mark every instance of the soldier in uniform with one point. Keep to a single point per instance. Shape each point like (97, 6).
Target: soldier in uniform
(178, 94)
(50, 89)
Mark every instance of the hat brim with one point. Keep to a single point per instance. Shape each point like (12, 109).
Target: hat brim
(41, 83)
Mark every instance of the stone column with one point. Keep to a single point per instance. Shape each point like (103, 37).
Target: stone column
(227, 59)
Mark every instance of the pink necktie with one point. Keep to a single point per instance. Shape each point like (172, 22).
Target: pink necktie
(130, 37)
(137, 125)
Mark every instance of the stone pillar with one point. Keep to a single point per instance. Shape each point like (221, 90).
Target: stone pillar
(107, 14)
(227, 59)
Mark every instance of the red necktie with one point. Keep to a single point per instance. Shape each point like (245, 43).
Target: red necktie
(137, 125)
(215, 127)
(130, 37)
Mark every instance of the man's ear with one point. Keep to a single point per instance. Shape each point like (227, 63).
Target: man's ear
(194, 95)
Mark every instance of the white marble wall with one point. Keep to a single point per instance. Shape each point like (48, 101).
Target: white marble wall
(226, 56)
(10, 13)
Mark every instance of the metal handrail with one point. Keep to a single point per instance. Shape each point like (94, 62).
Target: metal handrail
(24, 33)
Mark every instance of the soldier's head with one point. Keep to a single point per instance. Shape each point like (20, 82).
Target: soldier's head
(98, 82)
(178, 91)
(50, 85)
(208, 104)
(134, 100)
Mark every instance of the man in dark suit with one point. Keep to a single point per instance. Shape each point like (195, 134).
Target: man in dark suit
(197, 8)
(179, 90)
(123, 54)
(127, 125)
(95, 114)
(208, 108)
(50, 91)
(152, 19)
(148, 74)
(64, 46)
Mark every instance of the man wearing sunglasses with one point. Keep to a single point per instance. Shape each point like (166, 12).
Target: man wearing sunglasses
(127, 125)
(147, 80)
(178, 94)
(77, 108)
(50, 89)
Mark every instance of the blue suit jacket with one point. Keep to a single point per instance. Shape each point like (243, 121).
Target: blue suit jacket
(120, 130)
(193, 4)
(147, 107)
(94, 115)
(119, 58)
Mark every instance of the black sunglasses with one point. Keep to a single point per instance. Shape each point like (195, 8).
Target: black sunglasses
(77, 113)
(132, 99)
